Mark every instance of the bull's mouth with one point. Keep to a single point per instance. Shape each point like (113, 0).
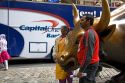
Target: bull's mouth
(71, 64)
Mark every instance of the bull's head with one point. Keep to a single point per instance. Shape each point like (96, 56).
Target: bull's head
(68, 58)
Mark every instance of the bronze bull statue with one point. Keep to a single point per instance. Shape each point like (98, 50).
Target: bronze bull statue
(112, 29)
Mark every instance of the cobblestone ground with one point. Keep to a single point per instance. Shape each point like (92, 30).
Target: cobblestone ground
(42, 73)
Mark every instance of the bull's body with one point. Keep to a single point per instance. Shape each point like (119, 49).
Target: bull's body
(112, 28)
(115, 45)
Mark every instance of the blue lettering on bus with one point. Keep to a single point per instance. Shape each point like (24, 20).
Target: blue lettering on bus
(52, 35)
(39, 28)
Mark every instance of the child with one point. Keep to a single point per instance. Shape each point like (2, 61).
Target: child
(4, 56)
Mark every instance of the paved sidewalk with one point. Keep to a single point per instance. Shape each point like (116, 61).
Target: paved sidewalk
(42, 73)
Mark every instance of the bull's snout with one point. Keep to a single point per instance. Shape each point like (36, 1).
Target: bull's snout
(63, 56)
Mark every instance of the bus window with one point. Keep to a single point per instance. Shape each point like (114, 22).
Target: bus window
(70, 1)
(54, 1)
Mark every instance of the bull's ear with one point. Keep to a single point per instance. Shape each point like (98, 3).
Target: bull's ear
(107, 33)
(75, 15)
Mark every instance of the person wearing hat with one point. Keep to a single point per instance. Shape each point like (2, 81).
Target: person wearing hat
(88, 52)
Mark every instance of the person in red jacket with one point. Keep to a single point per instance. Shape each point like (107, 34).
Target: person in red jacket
(88, 51)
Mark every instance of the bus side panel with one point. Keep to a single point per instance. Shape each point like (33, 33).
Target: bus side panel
(31, 28)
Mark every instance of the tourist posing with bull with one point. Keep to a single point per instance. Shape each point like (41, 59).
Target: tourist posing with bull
(60, 44)
(88, 51)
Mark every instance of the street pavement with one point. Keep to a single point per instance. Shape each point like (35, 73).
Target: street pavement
(42, 73)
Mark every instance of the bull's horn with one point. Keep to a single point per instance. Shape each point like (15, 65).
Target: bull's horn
(76, 15)
(105, 17)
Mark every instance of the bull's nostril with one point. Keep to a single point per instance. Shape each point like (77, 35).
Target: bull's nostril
(62, 57)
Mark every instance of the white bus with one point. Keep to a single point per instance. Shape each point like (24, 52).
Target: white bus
(31, 27)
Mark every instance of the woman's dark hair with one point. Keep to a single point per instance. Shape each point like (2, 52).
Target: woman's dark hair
(65, 28)
(89, 17)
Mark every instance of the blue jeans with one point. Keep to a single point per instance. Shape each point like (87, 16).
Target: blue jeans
(90, 70)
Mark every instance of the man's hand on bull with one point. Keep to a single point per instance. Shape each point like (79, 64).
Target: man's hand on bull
(80, 74)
